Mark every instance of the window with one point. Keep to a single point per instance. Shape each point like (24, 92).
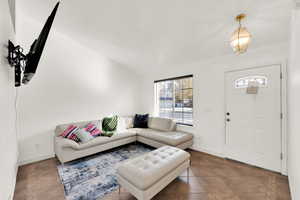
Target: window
(260, 81)
(174, 99)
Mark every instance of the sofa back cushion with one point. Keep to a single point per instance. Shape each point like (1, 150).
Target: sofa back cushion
(161, 124)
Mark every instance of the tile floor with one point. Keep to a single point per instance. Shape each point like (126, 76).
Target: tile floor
(211, 178)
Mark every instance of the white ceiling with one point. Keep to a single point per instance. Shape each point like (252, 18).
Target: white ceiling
(143, 33)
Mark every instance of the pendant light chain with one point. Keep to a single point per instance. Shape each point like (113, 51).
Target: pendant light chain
(239, 32)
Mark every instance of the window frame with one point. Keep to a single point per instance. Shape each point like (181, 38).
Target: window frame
(172, 79)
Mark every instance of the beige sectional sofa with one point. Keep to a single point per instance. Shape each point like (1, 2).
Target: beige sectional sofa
(161, 132)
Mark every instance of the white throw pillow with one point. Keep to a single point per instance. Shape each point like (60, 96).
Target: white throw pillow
(99, 124)
(128, 122)
(121, 127)
(83, 135)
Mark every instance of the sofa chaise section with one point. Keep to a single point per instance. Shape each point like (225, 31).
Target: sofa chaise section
(163, 132)
(158, 139)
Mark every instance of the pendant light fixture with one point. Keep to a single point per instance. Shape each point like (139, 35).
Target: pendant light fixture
(241, 37)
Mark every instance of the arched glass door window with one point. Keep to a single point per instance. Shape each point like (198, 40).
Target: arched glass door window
(260, 81)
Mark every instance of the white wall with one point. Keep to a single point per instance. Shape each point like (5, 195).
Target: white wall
(294, 107)
(8, 140)
(72, 83)
(208, 94)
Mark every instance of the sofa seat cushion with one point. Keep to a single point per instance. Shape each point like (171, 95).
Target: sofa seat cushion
(144, 171)
(172, 138)
(96, 141)
(136, 130)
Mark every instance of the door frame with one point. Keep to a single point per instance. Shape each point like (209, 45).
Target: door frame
(283, 91)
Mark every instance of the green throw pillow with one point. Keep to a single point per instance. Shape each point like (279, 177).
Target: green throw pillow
(107, 133)
(109, 124)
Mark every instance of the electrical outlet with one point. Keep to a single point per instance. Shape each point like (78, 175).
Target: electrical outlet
(37, 147)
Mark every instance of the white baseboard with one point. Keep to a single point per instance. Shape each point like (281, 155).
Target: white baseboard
(208, 152)
(14, 181)
(11, 196)
(36, 159)
(291, 184)
(284, 172)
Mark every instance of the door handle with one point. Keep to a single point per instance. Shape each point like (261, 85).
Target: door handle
(228, 113)
(228, 120)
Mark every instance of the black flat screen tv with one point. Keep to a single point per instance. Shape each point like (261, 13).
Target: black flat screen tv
(37, 47)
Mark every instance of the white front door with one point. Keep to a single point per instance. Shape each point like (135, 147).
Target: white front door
(253, 116)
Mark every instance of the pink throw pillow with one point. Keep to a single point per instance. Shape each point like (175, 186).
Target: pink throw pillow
(69, 133)
(93, 130)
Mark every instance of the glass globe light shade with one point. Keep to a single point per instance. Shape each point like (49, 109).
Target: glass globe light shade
(240, 40)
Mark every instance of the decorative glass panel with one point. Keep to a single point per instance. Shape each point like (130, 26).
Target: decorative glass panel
(260, 81)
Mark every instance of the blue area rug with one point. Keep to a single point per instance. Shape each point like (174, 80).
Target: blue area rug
(93, 177)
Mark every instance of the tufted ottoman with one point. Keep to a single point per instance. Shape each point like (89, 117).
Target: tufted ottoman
(146, 175)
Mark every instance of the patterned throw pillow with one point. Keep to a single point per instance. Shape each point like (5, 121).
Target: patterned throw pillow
(83, 135)
(110, 124)
(74, 137)
(69, 133)
(92, 129)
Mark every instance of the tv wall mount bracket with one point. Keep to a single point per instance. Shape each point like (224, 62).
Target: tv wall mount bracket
(26, 65)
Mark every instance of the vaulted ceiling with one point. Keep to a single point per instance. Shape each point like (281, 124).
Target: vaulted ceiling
(164, 32)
